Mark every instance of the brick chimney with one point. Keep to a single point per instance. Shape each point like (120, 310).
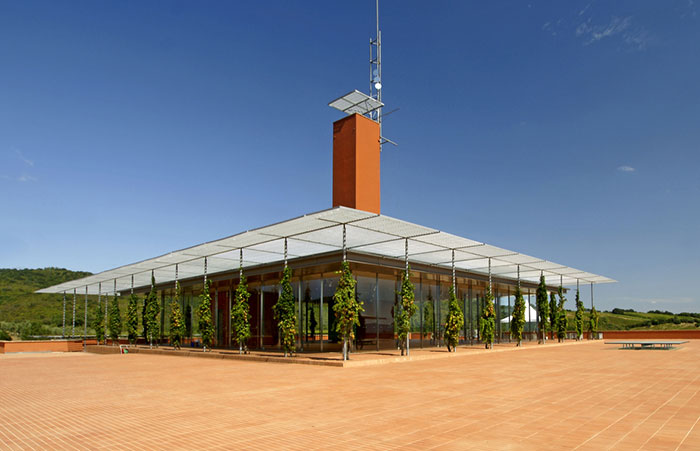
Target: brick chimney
(356, 163)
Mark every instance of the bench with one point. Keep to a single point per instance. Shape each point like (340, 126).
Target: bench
(632, 344)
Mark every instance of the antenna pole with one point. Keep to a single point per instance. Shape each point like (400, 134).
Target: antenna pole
(375, 73)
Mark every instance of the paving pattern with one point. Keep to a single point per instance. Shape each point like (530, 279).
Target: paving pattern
(578, 396)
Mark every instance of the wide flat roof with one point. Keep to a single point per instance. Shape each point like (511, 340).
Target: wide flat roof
(322, 232)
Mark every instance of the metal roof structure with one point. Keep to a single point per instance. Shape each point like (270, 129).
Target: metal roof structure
(322, 232)
(356, 102)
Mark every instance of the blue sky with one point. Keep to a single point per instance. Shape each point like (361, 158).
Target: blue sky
(565, 130)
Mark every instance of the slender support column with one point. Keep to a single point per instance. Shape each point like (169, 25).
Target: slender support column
(471, 323)
(592, 295)
(301, 322)
(376, 309)
(498, 315)
(345, 257)
(216, 315)
(320, 313)
(510, 314)
(408, 335)
(64, 315)
(99, 299)
(260, 321)
(420, 314)
(85, 324)
(72, 333)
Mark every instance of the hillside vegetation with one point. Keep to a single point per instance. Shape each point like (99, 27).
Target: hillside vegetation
(38, 314)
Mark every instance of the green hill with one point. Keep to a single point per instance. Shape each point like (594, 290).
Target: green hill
(20, 306)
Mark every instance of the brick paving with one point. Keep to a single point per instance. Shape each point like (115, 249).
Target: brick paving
(578, 396)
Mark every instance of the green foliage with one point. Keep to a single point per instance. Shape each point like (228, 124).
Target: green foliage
(517, 321)
(553, 313)
(206, 323)
(144, 318)
(561, 316)
(578, 320)
(188, 320)
(285, 313)
(487, 323)
(542, 308)
(132, 318)
(177, 324)
(4, 335)
(593, 322)
(20, 303)
(152, 314)
(115, 320)
(454, 322)
(346, 307)
(407, 304)
(99, 323)
(240, 315)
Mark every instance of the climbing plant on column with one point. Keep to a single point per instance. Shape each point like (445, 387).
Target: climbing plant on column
(517, 320)
(152, 312)
(285, 313)
(593, 323)
(407, 310)
(578, 319)
(115, 320)
(553, 314)
(453, 323)
(132, 319)
(206, 323)
(487, 323)
(346, 307)
(561, 316)
(240, 316)
(542, 309)
(99, 323)
(177, 323)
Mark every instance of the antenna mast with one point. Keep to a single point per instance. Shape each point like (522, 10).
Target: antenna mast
(375, 75)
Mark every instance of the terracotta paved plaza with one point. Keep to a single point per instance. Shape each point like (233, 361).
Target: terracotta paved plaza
(585, 396)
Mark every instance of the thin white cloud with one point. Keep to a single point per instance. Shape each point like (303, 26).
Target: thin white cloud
(26, 178)
(26, 160)
(626, 169)
(633, 37)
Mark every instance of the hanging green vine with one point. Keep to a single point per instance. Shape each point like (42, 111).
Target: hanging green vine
(407, 310)
(578, 319)
(285, 313)
(240, 316)
(553, 314)
(152, 313)
(487, 325)
(206, 323)
(99, 323)
(542, 310)
(593, 323)
(177, 324)
(561, 315)
(517, 320)
(453, 323)
(132, 318)
(115, 320)
(346, 307)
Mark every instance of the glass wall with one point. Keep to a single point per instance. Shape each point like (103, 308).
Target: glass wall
(367, 332)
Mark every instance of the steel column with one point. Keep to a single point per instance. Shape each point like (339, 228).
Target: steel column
(72, 333)
(64, 315)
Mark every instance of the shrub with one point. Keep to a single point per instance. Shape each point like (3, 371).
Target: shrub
(285, 314)
(454, 322)
(346, 307)
(5, 336)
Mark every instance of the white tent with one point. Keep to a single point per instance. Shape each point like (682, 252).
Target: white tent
(530, 315)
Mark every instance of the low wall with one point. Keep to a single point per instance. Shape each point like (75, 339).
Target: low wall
(41, 346)
(653, 334)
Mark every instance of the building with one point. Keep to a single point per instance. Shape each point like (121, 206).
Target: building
(377, 247)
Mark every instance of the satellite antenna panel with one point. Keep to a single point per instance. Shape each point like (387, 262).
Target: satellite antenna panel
(356, 102)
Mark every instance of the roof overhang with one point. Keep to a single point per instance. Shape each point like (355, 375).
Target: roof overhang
(322, 232)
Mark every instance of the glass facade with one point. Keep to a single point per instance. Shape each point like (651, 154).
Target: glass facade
(378, 289)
